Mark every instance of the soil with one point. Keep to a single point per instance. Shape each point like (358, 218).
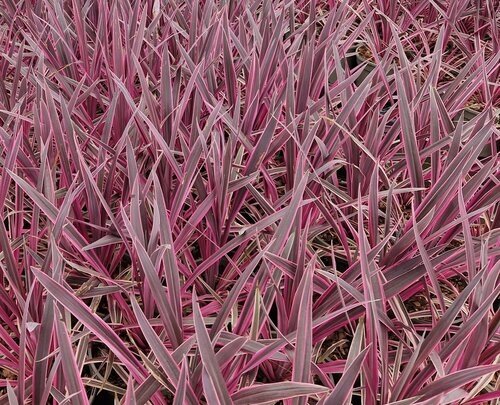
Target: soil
(475, 104)
(417, 303)
(325, 239)
(365, 52)
(336, 347)
(8, 374)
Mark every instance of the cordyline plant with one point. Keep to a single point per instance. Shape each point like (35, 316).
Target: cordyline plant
(202, 202)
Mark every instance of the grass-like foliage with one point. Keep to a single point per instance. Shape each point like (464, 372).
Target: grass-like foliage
(247, 201)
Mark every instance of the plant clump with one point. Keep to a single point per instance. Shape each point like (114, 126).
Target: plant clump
(215, 202)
